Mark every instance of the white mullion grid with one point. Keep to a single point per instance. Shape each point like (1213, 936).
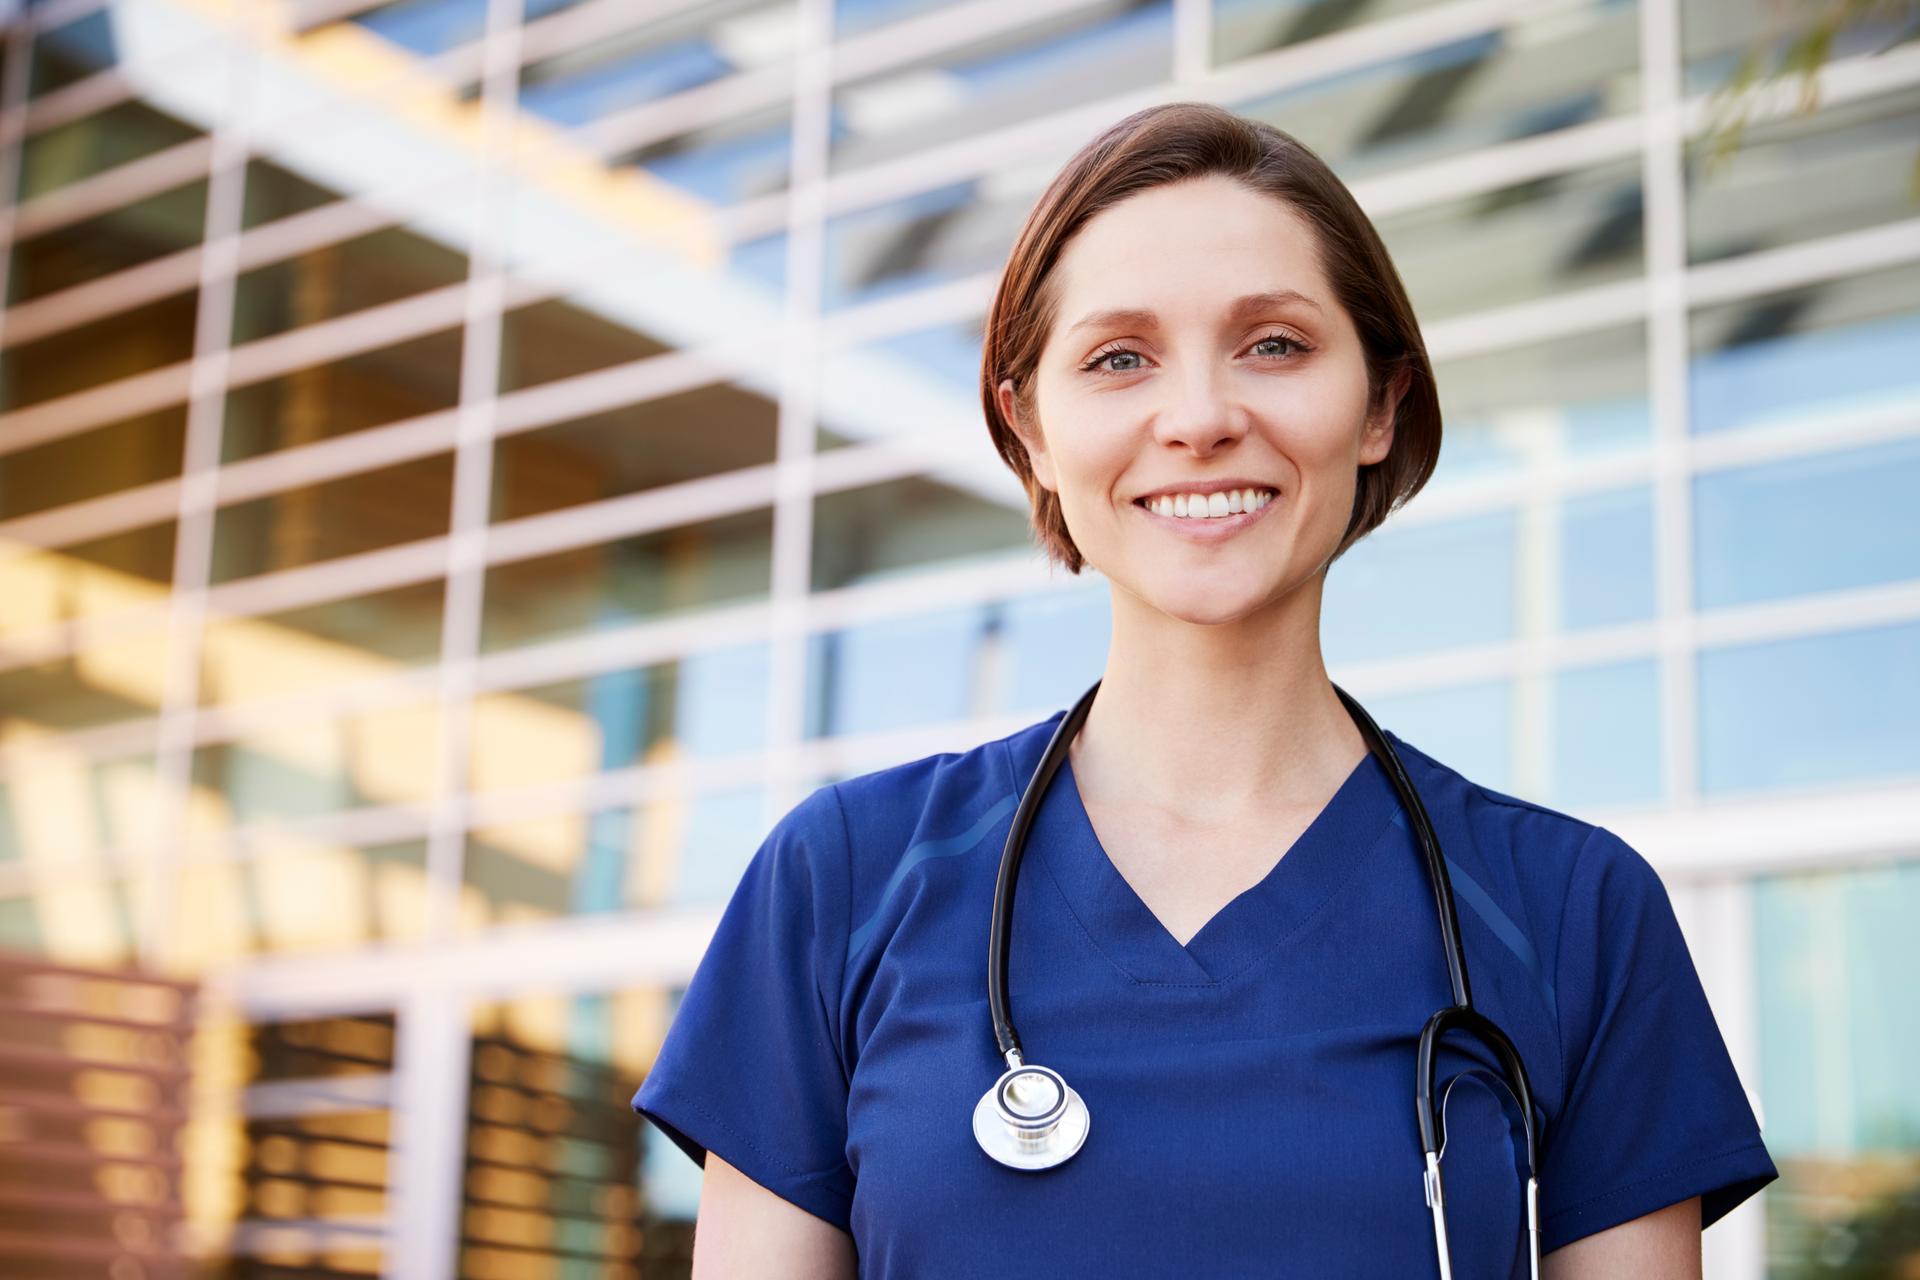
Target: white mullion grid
(193, 542)
(794, 480)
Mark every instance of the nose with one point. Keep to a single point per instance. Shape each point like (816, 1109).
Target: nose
(1199, 415)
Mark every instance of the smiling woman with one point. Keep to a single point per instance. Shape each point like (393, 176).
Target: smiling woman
(1204, 368)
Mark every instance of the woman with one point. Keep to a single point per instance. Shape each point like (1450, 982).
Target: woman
(1224, 935)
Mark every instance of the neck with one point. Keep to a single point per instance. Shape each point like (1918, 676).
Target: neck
(1217, 722)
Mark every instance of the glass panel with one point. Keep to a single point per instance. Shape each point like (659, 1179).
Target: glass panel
(320, 522)
(322, 284)
(886, 530)
(1839, 348)
(66, 153)
(370, 389)
(1606, 565)
(305, 768)
(1542, 404)
(922, 383)
(686, 851)
(1000, 81)
(562, 1179)
(59, 808)
(115, 35)
(1807, 524)
(113, 241)
(426, 27)
(116, 573)
(1546, 71)
(1811, 711)
(649, 60)
(93, 463)
(1522, 243)
(1245, 27)
(78, 920)
(1054, 646)
(1716, 34)
(1845, 168)
(896, 674)
(89, 355)
(112, 680)
(296, 895)
(1469, 726)
(1834, 955)
(551, 340)
(661, 574)
(704, 704)
(322, 646)
(852, 17)
(274, 192)
(1606, 735)
(1421, 588)
(704, 432)
(726, 162)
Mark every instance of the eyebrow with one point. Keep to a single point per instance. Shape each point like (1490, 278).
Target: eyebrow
(1148, 320)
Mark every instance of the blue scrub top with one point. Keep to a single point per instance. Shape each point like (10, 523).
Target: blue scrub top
(1250, 1092)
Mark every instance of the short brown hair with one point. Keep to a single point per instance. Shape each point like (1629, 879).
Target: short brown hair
(1169, 143)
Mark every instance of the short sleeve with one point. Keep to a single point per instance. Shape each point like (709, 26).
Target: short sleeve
(751, 1066)
(1653, 1113)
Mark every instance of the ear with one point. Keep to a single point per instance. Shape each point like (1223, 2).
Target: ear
(1030, 436)
(1376, 441)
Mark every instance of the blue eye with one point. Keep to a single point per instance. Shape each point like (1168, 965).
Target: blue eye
(1100, 357)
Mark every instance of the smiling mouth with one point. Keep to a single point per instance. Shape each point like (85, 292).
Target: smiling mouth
(1203, 508)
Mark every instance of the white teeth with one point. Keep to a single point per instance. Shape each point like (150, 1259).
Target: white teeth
(1202, 506)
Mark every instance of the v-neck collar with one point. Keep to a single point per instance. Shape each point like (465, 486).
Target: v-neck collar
(1331, 849)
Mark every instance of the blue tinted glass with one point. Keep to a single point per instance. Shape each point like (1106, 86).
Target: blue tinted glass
(1465, 727)
(1839, 1025)
(1807, 524)
(1606, 735)
(894, 249)
(1056, 646)
(427, 27)
(1606, 574)
(893, 674)
(722, 830)
(850, 17)
(1787, 357)
(1811, 710)
(722, 701)
(1420, 588)
(762, 261)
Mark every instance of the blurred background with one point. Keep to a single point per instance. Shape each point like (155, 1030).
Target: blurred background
(467, 467)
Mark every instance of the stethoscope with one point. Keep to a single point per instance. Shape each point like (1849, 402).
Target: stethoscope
(1032, 1119)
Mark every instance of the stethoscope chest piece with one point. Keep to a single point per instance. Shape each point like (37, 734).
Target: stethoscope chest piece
(1030, 1119)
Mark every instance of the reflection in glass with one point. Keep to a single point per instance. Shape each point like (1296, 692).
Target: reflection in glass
(115, 679)
(561, 1177)
(549, 340)
(1835, 349)
(296, 895)
(318, 522)
(710, 703)
(58, 807)
(896, 674)
(369, 389)
(1821, 523)
(1421, 588)
(80, 920)
(97, 352)
(426, 27)
(1716, 34)
(727, 560)
(888, 530)
(1055, 645)
(338, 642)
(909, 384)
(1521, 243)
(66, 153)
(852, 17)
(1844, 168)
(93, 463)
(1839, 1030)
(125, 236)
(1606, 736)
(1811, 710)
(338, 279)
(726, 161)
(687, 850)
(703, 432)
(1004, 80)
(1470, 726)
(306, 768)
(107, 575)
(274, 192)
(1545, 71)
(1544, 404)
(1606, 558)
(1242, 28)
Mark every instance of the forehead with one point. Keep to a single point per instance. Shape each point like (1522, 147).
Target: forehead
(1201, 237)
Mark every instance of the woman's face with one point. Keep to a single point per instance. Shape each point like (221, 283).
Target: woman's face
(1178, 359)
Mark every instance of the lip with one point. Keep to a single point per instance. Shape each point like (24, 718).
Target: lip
(1211, 530)
(1207, 486)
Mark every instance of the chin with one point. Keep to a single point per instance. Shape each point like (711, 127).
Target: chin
(1191, 602)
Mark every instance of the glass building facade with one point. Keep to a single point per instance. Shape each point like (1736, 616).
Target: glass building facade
(467, 467)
